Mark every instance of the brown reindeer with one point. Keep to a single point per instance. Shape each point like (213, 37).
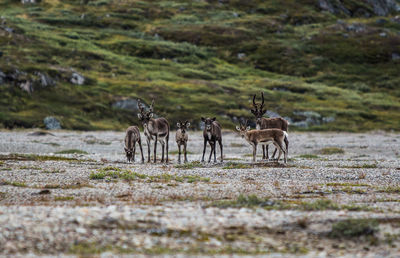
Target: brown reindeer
(264, 137)
(212, 133)
(156, 129)
(132, 136)
(267, 123)
(181, 138)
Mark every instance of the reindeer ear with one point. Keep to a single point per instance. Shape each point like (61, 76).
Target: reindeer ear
(203, 119)
(187, 124)
(139, 116)
(253, 111)
(178, 125)
(248, 128)
(238, 128)
(151, 115)
(213, 119)
(125, 149)
(263, 111)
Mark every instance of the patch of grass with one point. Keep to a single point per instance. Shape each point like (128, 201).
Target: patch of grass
(2, 163)
(354, 228)
(177, 152)
(237, 145)
(319, 205)
(53, 171)
(330, 151)
(390, 189)
(16, 184)
(54, 144)
(30, 168)
(234, 165)
(346, 184)
(190, 165)
(308, 156)
(63, 198)
(361, 166)
(244, 201)
(34, 157)
(72, 151)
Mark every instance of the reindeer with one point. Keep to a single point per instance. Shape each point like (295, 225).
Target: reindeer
(156, 129)
(212, 133)
(264, 137)
(132, 136)
(181, 138)
(267, 123)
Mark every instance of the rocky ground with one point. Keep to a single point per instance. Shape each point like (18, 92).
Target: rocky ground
(72, 193)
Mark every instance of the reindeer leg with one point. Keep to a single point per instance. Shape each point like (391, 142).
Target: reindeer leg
(215, 153)
(273, 155)
(134, 151)
(184, 149)
(204, 149)
(263, 148)
(148, 150)
(179, 157)
(254, 152)
(162, 147)
(220, 146)
(141, 150)
(167, 140)
(211, 152)
(266, 149)
(155, 148)
(287, 146)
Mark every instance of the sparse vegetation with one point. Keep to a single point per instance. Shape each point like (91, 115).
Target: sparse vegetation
(190, 165)
(16, 184)
(354, 228)
(331, 150)
(234, 165)
(362, 166)
(72, 151)
(63, 198)
(35, 157)
(309, 156)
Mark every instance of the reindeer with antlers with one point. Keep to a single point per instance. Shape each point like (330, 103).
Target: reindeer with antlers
(268, 123)
(156, 129)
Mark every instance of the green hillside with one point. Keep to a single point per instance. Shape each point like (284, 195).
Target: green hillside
(339, 59)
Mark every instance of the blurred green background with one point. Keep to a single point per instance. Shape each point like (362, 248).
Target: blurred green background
(324, 65)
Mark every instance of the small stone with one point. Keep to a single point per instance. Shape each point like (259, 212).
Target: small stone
(52, 123)
(383, 34)
(78, 79)
(395, 56)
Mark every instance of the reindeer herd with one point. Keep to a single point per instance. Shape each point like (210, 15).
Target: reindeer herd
(268, 130)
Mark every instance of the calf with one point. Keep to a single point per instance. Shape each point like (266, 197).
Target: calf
(181, 138)
(212, 133)
(264, 137)
(132, 136)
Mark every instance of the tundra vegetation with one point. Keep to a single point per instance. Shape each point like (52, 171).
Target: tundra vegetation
(82, 61)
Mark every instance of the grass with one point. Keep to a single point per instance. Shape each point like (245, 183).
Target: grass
(190, 165)
(16, 184)
(390, 189)
(361, 166)
(331, 150)
(234, 165)
(354, 228)
(117, 173)
(188, 52)
(72, 151)
(308, 156)
(53, 171)
(177, 152)
(34, 157)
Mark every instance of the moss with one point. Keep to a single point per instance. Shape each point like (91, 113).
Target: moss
(354, 228)
(309, 156)
(233, 165)
(63, 198)
(72, 151)
(331, 150)
(16, 156)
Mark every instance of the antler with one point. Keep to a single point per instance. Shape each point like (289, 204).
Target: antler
(254, 101)
(140, 106)
(262, 97)
(151, 106)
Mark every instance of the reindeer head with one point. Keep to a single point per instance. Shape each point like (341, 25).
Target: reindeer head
(183, 126)
(207, 123)
(129, 154)
(243, 129)
(258, 109)
(145, 116)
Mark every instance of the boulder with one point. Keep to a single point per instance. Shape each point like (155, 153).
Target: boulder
(395, 56)
(28, 1)
(26, 86)
(77, 79)
(384, 7)
(51, 123)
(306, 119)
(2, 77)
(129, 104)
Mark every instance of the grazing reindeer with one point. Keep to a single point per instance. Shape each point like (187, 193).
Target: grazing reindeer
(212, 133)
(181, 138)
(132, 136)
(267, 123)
(264, 137)
(154, 127)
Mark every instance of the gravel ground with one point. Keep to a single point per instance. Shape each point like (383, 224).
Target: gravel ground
(94, 203)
